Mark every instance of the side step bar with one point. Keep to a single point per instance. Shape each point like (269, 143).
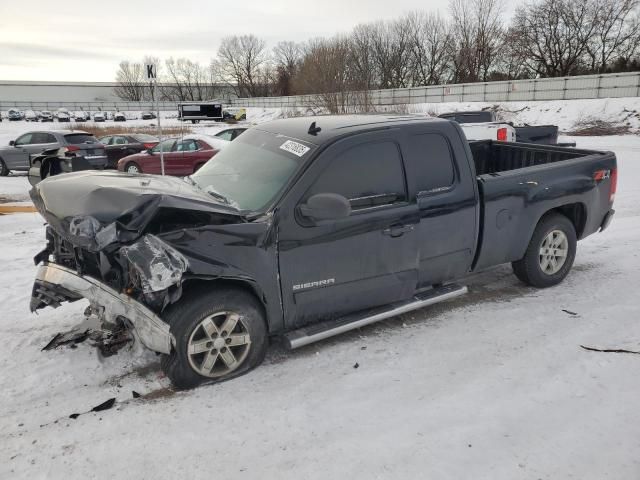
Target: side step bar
(320, 331)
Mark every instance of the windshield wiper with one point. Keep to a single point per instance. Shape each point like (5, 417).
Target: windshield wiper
(210, 191)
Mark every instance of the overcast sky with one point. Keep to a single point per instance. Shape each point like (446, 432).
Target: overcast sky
(85, 40)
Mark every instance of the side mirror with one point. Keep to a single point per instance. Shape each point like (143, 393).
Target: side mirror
(326, 206)
(12, 143)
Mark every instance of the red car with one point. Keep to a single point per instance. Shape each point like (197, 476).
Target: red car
(182, 156)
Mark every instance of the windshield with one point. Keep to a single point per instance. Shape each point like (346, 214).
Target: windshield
(252, 170)
(166, 145)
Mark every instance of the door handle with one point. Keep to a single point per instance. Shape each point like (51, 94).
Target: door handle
(397, 230)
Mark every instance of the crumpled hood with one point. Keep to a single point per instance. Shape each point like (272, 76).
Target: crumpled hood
(79, 205)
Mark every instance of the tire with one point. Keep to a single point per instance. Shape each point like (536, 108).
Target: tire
(132, 167)
(544, 265)
(4, 171)
(192, 321)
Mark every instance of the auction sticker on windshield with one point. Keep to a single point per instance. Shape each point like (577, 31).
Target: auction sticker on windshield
(295, 148)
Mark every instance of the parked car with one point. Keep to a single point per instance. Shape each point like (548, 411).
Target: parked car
(230, 134)
(119, 117)
(63, 115)
(30, 116)
(46, 116)
(305, 228)
(16, 155)
(120, 146)
(81, 116)
(14, 115)
(231, 114)
(148, 115)
(99, 117)
(182, 156)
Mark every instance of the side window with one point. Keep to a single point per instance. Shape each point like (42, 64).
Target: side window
(38, 138)
(105, 140)
(368, 175)
(435, 170)
(50, 139)
(167, 146)
(187, 146)
(226, 135)
(24, 139)
(119, 141)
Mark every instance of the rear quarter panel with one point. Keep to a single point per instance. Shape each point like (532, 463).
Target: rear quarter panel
(513, 203)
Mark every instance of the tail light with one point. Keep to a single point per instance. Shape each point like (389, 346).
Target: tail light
(502, 134)
(614, 185)
(612, 175)
(149, 145)
(73, 148)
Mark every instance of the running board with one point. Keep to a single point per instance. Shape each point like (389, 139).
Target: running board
(320, 331)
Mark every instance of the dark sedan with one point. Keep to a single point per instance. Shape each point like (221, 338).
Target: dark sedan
(120, 146)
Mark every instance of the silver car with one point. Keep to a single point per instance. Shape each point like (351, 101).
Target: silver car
(17, 155)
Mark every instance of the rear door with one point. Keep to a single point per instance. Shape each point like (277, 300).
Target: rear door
(332, 267)
(444, 189)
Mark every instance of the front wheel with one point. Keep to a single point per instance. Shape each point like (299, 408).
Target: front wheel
(220, 334)
(132, 167)
(550, 254)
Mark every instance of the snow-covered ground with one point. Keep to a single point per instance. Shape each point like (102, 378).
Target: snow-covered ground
(491, 386)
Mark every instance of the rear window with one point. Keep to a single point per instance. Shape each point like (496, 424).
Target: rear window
(80, 138)
(141, 137)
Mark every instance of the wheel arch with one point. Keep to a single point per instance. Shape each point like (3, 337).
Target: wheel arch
(575, 212)
(199, 284)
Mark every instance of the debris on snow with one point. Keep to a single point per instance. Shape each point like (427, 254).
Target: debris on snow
(609, 350)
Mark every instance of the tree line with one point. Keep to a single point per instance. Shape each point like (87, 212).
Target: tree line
(472, 43)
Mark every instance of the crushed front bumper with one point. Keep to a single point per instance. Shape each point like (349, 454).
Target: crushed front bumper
(55, 284)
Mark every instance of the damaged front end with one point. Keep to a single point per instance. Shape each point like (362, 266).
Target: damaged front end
(104, 244)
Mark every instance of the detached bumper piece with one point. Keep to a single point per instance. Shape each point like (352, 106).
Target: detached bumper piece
(55, 284)
(607, 220)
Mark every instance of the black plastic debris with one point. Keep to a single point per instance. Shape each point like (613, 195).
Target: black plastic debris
(104, 406)
(569, 312)
(70, 338)
(356, 365)
(98, 408)
(135, 394)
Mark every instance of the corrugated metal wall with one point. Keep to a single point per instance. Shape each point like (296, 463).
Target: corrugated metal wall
(564, 88)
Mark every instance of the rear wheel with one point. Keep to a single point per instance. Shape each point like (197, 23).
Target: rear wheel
(4, 171)
(132, 167)
(550, 254)
(219, 334)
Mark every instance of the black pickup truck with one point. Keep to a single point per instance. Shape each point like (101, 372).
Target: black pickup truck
(304, 228)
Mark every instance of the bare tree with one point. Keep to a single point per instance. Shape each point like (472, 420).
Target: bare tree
(430, 38)
(616, 35)
(242, 61)
(287, 57)
(187, 80)
(131, 81)
(326, 72)
(477, 36)
(553, 36)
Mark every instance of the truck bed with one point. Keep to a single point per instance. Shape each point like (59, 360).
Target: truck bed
(494, 157)
(519, 182)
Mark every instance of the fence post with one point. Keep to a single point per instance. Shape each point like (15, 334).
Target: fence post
(598, 86)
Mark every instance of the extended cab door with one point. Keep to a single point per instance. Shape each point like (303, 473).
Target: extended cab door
(444, 187)
(370, 258)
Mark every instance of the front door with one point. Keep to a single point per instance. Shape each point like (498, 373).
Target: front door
(17, 158)
(332, 267)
